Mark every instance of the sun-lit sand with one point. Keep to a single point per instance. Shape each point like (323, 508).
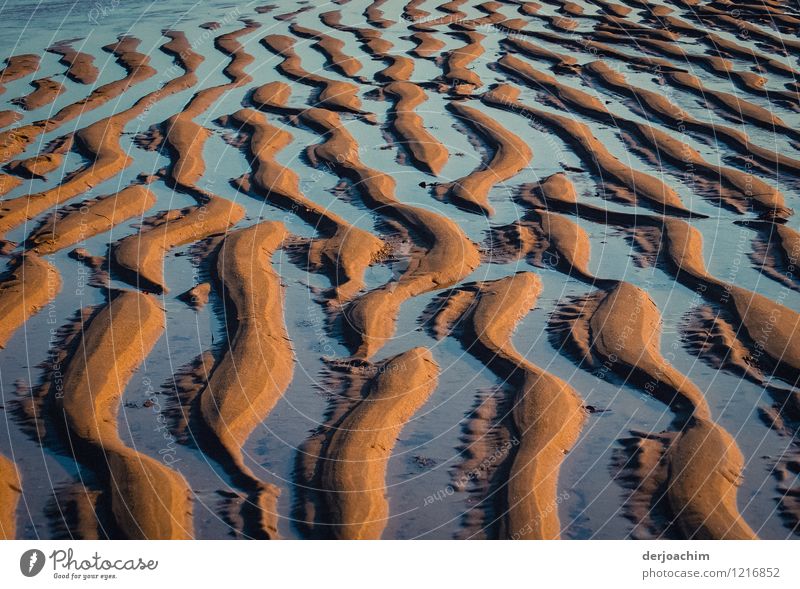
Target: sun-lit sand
(401, 269)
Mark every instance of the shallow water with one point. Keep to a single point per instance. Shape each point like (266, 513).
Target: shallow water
(429, 447)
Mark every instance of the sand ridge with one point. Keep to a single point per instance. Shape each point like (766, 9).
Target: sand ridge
(27, 286)
(99, 141)
(345, 250)
(334, 94)
(447, 257)
(547, 413)
(618, 328)
(14, 142)
(246, 383)
(351, 470)
(426, 151)
(10, 491)
(680, 250)
(331, 48)
(75, 223)
(148, 499)
(637, 184)
(510, 156)
(80, 65)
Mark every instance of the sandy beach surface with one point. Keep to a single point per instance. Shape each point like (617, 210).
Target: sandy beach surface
(400, 269)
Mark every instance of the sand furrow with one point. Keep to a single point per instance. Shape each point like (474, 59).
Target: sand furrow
(610, 24)
(447, 258)
(148, 499)
(570, 244)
